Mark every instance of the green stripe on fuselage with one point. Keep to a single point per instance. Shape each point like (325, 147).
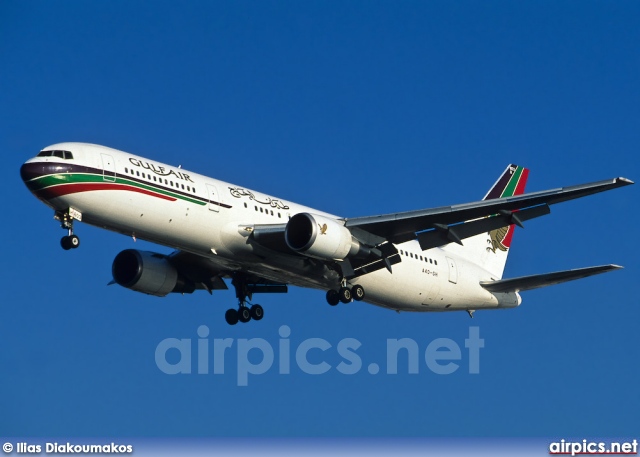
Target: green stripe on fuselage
(513, 183)
(44, 182)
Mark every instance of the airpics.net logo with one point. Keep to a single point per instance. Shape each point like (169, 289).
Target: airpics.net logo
(312, 356)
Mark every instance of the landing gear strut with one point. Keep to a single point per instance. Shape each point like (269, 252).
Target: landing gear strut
(69, 241)
(345, 294)
(246, 311)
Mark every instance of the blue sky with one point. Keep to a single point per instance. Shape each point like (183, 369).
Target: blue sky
(355, 108)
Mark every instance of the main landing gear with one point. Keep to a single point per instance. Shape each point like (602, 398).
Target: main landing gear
(244, 313)
(345, 294)
(69, 241)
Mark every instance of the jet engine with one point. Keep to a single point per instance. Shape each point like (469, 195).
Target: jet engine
(149, 273)
(322, 238)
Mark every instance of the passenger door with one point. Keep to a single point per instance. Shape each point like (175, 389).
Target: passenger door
(453, 270)
(213, 197)
(108, 168)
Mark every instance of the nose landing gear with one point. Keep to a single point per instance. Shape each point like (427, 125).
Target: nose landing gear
(69, 241)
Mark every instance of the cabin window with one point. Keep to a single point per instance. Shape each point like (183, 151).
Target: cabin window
(138, 173)
(126, 170)
(272, 212)
(279, 215)
(261, 210)
(436, 262)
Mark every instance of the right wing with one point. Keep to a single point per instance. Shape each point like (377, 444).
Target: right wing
(206, 275)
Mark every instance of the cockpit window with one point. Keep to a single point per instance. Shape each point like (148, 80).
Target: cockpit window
(56, 153)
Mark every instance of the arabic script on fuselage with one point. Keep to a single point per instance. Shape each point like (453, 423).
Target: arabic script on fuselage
(239, 192)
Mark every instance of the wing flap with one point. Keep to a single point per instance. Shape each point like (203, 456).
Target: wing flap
(543, 280)
(444, 234)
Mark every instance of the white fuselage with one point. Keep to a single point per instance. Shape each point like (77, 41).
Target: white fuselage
(204, 216)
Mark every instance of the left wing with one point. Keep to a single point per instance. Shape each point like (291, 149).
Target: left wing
(373, 238)
(450, 220)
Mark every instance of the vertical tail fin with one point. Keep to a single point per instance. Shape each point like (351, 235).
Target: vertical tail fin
(490, 250)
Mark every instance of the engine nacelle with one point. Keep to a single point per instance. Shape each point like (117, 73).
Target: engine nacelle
(320, 237)
(149, 273)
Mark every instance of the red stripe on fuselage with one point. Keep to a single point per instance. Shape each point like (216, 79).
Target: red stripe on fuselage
(66, 189)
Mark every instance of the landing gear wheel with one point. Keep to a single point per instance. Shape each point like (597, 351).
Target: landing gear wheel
(244, 315)
(70, 242)
(231, 316)
(345, 294)
(333, 297)
(358, 292)
(74, 241)
(257, 312)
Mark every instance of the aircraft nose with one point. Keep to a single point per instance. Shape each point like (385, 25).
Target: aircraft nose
(31, 170)
(34, 174)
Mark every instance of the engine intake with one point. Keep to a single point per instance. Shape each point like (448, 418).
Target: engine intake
(321, 237)
(149, 273)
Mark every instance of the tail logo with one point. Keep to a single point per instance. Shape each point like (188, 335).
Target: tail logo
(497, 238)
(511, 183)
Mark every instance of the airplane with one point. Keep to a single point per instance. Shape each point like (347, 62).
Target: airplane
(449, 258)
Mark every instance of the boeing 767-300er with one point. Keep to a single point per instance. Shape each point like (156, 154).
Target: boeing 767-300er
(449, 258)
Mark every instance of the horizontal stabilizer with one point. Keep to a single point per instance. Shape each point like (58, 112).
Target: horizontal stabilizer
(543, 280)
